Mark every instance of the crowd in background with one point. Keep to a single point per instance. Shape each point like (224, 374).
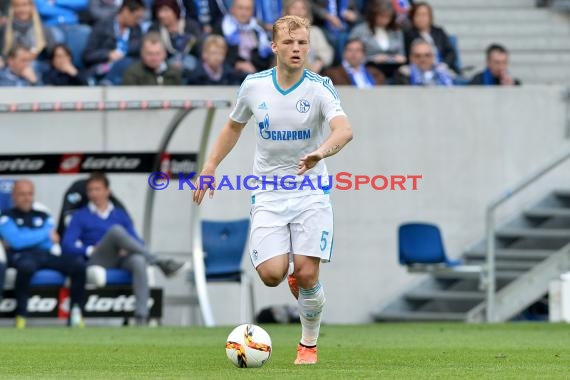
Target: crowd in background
(361, 43)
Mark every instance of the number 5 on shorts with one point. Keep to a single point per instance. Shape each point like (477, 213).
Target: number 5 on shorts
(324, 240)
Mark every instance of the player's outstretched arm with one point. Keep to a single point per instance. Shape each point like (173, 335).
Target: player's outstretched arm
(341, 134)
(224, 144)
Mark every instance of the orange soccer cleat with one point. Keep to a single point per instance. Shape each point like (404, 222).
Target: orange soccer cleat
(306, 355)
(292, 281)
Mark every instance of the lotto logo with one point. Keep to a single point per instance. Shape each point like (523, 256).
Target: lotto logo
(99, 304)
(36, 304)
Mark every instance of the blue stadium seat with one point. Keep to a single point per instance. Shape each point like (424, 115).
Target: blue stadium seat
(421, 243)
(48, 277)
(6, 186)
(116, 276)
(224, 243)
(460, 80)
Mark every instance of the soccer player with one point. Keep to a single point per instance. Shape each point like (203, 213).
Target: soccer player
(292, 107)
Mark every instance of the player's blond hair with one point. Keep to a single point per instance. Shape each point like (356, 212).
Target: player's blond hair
(290, 23)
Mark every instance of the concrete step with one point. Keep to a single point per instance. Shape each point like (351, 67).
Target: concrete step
(511, 254)
(502, 29)
(547, 212)
(520, 58)
(508, 265)
(533, 233)
(474, 16)
(501, 275)
(445, 295)
(416, 316)
(536, 44)
(553, 74)
(487, 4)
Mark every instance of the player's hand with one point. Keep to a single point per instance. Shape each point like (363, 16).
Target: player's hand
(202, 185)
(308, 162)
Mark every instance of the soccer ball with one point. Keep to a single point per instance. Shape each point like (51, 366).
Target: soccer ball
(248, 346)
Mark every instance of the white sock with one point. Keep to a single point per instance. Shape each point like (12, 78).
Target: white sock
(311, 303)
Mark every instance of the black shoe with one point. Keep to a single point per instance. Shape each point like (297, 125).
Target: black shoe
(170, 267)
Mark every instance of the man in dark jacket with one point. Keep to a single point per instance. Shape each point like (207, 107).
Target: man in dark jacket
(152, 69)
(31, 241)
(213, 69)
(115, 43)
(353, 72)
(497, 71)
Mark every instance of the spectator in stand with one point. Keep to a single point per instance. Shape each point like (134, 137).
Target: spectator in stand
(402, 9)
(249, 47)
(336, 17)
(423, 69)
(267, 12)
(382, 37)
(19, 71)
(101, 10)
(213, 70)
(421, 16)
(62, 17)
(152, 69)
(207, 13)
(24, 27)
(32, 244)
(62, 72)
(4, 6)
(104, 235)
(115, 43)
(180, 35)
(321, 54)
(497, 71)
(353, 71)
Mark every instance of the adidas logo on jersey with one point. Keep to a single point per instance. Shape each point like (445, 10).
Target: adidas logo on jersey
(262, 106)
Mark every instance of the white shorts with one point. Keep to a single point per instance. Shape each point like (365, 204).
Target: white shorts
(302, 226)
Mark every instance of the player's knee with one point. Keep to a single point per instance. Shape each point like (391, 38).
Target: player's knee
(306, 277)
(271, 278)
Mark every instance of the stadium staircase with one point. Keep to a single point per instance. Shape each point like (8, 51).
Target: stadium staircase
(531, 250)
(538, 38)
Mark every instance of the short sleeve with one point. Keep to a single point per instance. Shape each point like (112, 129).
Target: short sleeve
(330, 101)
(242, 112)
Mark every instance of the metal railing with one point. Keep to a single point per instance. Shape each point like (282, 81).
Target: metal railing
(490, 278)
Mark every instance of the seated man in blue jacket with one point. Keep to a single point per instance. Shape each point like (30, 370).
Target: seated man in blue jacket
(105, 235)
(30, 237)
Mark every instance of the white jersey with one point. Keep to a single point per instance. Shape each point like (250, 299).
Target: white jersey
(289, 125)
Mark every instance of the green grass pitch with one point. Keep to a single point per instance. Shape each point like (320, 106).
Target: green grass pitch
(378, 351)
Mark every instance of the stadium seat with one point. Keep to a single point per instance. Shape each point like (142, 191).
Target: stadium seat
(224, 244)
(421, 243)
(6, 186)
(461, 79)
(421, 250)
